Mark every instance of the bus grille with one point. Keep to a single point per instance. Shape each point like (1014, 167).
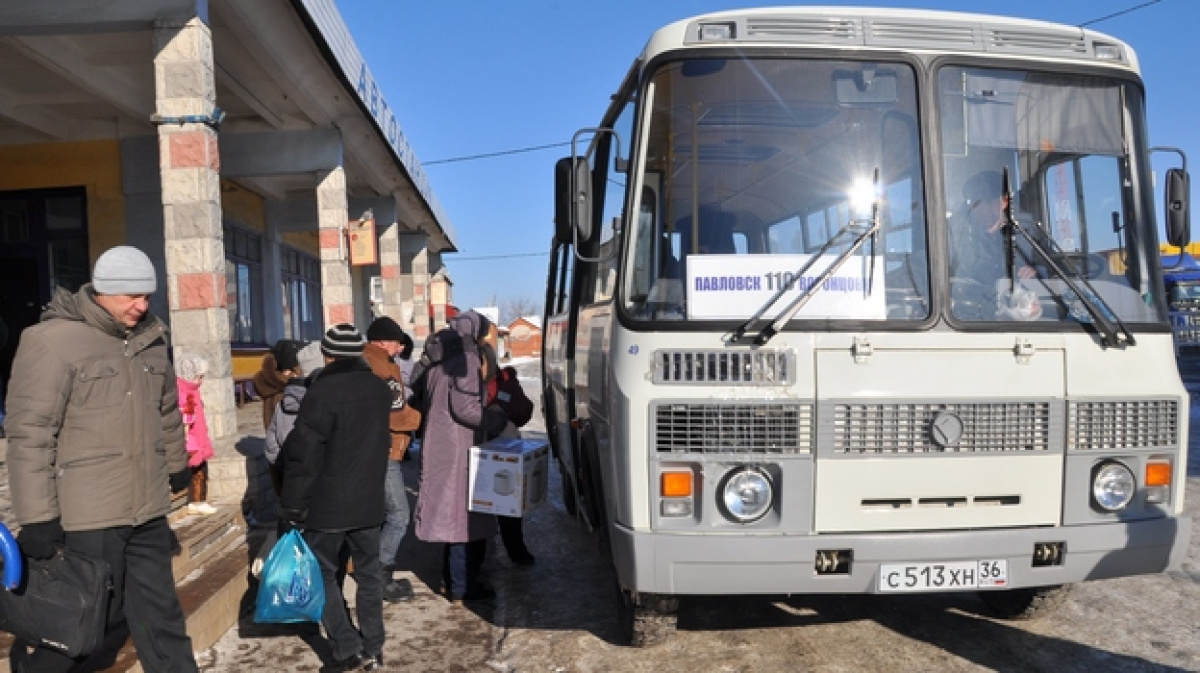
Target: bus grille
(756, 368)
(691, 427)
(905, 427)
(1131, 424)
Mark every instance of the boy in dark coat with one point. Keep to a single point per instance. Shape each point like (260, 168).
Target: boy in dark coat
(335, 461)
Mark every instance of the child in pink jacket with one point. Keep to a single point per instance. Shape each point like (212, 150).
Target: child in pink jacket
(189, 374)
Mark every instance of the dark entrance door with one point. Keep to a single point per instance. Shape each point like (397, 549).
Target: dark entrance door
(43, 243)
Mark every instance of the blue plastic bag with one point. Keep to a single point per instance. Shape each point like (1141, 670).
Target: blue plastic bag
(291, 588)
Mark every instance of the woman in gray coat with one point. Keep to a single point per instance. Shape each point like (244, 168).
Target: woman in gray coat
(455, 420)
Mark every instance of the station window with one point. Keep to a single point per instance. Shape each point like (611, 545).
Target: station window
(243, 285)
(300, 287)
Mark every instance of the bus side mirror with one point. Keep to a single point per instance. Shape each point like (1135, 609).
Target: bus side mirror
(562, 200)
(1178, 207)
(572, 199)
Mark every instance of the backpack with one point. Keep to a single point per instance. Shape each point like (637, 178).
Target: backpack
(511, 396)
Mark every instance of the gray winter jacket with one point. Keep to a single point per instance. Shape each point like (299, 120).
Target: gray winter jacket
(284, 418)
(93, 419)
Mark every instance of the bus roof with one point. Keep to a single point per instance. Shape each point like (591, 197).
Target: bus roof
(930, 31)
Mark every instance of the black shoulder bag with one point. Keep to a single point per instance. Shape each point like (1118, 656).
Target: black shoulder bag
(62, 603)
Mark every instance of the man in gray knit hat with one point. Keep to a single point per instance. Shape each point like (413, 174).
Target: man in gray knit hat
(92, 435)
(334, 465)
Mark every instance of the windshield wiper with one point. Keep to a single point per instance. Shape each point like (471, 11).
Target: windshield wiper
(1112, 331)
(861, 230)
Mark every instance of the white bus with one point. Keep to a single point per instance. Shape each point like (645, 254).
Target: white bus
(867, 301)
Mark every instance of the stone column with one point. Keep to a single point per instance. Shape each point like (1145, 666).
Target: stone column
(441, 295)
(422, 325)
(390, 272)
(337, 287)
(185, 92)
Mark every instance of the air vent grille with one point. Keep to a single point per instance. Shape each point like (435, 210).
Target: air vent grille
(733, 427)
(806, 29)
(1025, 41)
(894, 428)
(945, 35)
(739, 368)
(1133, 424)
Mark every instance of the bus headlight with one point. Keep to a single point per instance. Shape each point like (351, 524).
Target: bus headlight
(1113, 486)
(746, 494)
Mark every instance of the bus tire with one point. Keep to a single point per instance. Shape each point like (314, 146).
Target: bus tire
(647, 619)
(1027, 603)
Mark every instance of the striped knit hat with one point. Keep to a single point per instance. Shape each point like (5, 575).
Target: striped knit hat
(343, 341)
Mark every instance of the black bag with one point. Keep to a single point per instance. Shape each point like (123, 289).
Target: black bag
(62, 603)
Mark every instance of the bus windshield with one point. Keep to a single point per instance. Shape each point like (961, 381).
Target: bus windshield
(753, 165)
(1064, 142)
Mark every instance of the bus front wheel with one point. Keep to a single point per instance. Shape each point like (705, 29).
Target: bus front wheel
(1025, 603)
(647, 619)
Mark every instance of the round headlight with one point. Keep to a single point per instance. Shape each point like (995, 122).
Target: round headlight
(1113, 486)
(747, 494)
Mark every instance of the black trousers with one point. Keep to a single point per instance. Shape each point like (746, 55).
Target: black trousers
(143, 595)
(512, 536)
(461, 566)
(330, 548)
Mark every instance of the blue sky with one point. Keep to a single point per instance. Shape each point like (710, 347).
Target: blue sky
(470, 78)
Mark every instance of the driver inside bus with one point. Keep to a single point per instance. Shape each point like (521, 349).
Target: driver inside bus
(979, 279)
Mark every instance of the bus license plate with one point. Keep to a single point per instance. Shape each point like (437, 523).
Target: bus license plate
(899, 577)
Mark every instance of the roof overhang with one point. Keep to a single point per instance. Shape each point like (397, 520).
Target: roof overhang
(78, 70)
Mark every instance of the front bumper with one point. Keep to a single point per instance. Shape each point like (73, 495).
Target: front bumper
(680, 563)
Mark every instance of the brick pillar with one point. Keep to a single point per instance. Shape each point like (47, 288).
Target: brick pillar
(337, 285)
(194, 250)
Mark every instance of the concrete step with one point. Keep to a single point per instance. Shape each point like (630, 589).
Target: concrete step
(212, 579)
(178, 508)
(202, 537)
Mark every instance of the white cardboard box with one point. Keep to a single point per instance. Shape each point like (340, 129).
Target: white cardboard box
(508, 476)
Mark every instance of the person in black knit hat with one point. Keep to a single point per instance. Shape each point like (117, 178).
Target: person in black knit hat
(335, 462)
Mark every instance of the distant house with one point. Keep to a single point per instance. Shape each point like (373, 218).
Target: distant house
(525, 337)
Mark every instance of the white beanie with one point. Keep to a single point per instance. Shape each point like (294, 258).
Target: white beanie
(124, 270)
(190, 367)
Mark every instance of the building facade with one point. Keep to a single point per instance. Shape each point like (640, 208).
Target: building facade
(242, 145)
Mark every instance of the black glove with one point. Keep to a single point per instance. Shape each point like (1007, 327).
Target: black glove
(494, 420)
(289, 520)
(181, 479)
(41, 540)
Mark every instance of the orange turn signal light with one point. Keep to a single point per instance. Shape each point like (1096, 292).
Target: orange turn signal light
(676, 484)
(1158, 474)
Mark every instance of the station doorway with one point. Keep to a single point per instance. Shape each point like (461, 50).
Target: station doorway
(43, 243)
